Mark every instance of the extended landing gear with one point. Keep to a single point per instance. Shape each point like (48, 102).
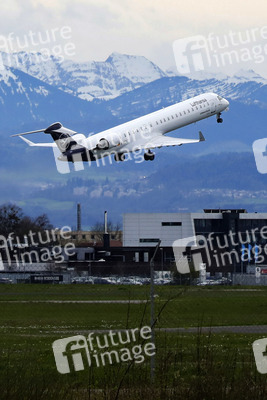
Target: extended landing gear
(149, 156)
(219, 119)
(119, 157)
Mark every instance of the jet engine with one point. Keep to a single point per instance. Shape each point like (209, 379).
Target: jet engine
(109, 142)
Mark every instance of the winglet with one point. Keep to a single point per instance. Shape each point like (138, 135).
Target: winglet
(201, 137)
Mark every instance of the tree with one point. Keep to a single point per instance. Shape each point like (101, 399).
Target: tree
(42, 222)
(10, 218)
(114, 229)
(13, 220)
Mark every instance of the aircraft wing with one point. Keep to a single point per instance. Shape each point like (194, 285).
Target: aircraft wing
(53, 144)
(164, 141)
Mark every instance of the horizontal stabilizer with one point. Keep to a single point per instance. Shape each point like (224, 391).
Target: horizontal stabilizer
(38, 144)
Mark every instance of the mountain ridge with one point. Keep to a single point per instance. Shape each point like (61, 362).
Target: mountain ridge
(118, 74)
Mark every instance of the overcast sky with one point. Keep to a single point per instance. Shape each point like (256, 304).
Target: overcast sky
(141, 27)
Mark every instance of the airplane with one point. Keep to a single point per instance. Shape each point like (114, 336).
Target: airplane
(144, 133)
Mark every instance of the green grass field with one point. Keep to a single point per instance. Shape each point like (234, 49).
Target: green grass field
(188, 365)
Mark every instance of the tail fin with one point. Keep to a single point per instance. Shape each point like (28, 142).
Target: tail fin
(70, 149)
(61, 136)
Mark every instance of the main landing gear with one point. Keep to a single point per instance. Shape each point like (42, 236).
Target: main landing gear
(119, 157)
(219, 119)
(149, 156)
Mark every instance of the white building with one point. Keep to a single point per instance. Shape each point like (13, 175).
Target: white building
(145, 229)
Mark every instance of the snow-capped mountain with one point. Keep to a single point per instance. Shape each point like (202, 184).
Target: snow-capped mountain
(27, 103)
(243, 76)
(48, 92)
(240, 76)
(119, 74)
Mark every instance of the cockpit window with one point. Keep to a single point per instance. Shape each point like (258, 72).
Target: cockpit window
(219, 97)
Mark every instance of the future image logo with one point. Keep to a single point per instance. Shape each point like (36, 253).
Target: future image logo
(63, 142)
(260, 354)
(77, 353)
(260, 154)
(191, 54)
(196, 244)
(199, 53)
(71, 354)
(36, 46)
(220, 250)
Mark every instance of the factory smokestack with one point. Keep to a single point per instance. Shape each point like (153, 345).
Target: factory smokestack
(79, 217)
(106, 234)
(106, 222)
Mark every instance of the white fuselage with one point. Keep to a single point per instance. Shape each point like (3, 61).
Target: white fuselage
(144, 133)
(132, 135)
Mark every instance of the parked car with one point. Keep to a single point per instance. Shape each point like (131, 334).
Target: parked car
(5, 280)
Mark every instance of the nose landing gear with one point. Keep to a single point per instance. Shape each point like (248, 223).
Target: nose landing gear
(219, 119)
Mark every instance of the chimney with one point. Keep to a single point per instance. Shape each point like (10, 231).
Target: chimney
(106, 240)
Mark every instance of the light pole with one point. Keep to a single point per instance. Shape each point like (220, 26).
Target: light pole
(152, 312)
(161, 250)
(90, 269)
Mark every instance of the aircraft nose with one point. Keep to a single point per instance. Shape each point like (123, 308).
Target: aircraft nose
(226, 102)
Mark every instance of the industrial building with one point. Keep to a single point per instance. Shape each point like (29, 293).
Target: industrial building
(233, 239)
(226, 241)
